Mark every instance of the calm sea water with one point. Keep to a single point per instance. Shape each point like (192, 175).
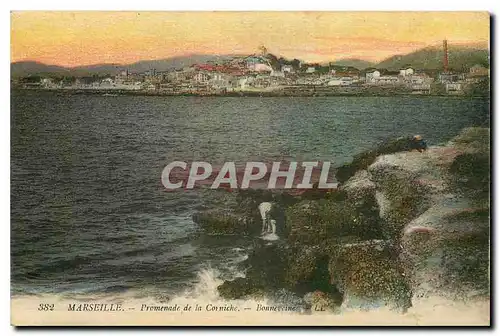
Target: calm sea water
(89, 213)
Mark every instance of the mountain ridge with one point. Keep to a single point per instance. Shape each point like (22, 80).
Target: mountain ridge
(460, 58)
(429, 58)
(26, 68)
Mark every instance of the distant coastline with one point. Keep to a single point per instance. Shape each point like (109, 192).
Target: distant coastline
(275, 93)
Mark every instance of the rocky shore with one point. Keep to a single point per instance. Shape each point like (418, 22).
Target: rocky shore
(401, 226)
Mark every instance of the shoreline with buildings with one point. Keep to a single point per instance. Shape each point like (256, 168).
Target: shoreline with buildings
(265, 74)
(277, 93)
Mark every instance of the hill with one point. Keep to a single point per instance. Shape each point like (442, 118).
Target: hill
(460, 58)
(26, 68)
(354, 62)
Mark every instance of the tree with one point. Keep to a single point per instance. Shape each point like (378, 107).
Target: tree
(295, 63)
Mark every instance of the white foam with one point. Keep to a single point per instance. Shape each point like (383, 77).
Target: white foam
(270, 237)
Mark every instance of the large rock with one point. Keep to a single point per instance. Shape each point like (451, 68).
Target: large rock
(365, 159)
(307, 270)
(227, 222)
(233, 212)
(407, 184)
(446, 251)
(238, 212)
(401, 224)
(265, 270)
(470, 175)
(472, 140)
(324, 221)
(266, 265)
(369, 275)
(319, 301)
(359, 186)
(436, 204)
(240, 288)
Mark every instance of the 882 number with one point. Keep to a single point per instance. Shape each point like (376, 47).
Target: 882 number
(45, 307)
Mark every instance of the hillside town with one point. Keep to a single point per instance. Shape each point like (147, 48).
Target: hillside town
(265, 74)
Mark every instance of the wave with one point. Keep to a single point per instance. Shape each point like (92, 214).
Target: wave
(270, 237)
(425, 311)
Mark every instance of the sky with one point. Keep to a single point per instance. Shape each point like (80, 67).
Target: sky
(92, 37)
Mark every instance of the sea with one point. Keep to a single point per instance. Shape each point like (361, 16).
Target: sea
(90, 216)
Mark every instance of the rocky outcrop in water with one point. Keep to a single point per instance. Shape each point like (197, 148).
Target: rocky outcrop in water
(227, 221)
(401, 225)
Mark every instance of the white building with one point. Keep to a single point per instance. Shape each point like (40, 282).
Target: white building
(340, 81)
(149, 87)
(448, 77)
(387, 80)
(311, 70)
(371, 77)
(424, 88)
(245, 82)
(479, 70)
(454, 88)
(220, 80)
(107, 83)
(277, 73)
(48, 83)
(260, 67)
(406, 72)
(201, 78)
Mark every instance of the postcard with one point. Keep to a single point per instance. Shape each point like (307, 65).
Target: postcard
(250, 168)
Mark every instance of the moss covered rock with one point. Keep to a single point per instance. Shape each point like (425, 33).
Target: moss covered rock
(363, 160)
(240, 288)
(324, 221)
(446, 251)
(371, 271)
(226, 222)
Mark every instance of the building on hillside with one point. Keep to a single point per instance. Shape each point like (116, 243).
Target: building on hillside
(178, 76)
(387, 80)
(311, 70)
(418, 83)
(48, 83)
(260, 67)
(479, 70)
(384, 77)
(220, 80)
(122, 76)
(107, 83)
(150, 87)
(454, 88)
(244, 82)
(201, 78)
(422, 88)
(275, 73)
(372, 76)
(407, 71)
(477, 73)
(340, 81)
(450, 77)
(258, 64)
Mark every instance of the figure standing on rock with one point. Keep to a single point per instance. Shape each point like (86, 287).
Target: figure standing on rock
(418, 143)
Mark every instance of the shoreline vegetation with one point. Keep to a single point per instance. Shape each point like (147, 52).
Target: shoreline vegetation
(306, 92)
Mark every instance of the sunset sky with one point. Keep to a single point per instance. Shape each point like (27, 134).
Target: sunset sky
(83, 38)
